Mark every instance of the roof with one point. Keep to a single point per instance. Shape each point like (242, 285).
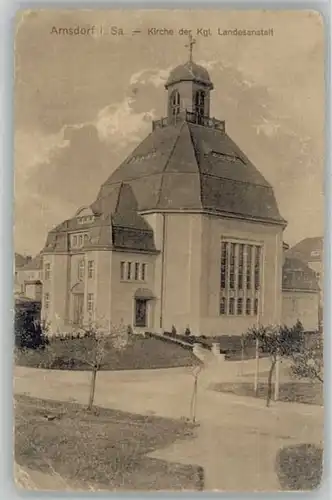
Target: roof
(186, 166)
(23, 300)
(34, 264)
(308, 250)
(298, 276)
(20, 260)
(189, 71)
(116, 225)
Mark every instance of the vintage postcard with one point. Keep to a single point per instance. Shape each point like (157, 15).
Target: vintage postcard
(169, 250)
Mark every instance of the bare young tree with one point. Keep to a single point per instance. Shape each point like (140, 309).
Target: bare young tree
(277, 342)
(193, 403)
(96, 343)
(309, 361)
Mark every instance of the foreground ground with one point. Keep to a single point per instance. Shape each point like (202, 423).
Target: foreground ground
(105, 449)
(238, 443)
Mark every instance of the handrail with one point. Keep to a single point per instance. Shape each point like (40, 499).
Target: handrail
(190, 117)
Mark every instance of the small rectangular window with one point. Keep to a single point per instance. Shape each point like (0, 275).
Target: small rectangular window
(256, 307)
(232, 306)
(248, 307)
(90, 302)
(136, 271)
(90, 268)
(47, 274)
(143, 272)
(223, 305)
(129, 271)
(81, 270)
(122, 270)
(47, 300)
(240, 306)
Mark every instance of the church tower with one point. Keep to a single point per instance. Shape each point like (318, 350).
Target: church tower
(189, 88)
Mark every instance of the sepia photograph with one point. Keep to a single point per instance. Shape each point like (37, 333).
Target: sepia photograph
(168, 239)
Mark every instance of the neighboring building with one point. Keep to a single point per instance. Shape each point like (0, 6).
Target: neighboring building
(300, 295)
(29, 279)
(19, 262)
(185, 232)
(311, 252)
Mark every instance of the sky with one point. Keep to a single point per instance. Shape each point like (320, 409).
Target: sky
(82, 103)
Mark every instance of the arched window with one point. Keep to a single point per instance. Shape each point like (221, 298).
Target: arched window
(200, 103)
(175, 103)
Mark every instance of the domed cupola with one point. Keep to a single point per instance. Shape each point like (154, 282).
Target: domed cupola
(189, 72)
(189, 87)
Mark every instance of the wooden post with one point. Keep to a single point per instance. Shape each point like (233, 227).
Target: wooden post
(257, 350)
(242, 354)
(256, 368)
(277, 380)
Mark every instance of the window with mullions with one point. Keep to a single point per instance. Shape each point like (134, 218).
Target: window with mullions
(257, 267)
(248, 307)
(240, 278)
(200, 102)
(232, 267)
(240, 269)
(239, 311)
(249, 267)
(175, 103)
(223, 266)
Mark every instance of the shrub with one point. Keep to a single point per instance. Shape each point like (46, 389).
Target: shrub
(187, 332)
(28, 331)
(130, 330)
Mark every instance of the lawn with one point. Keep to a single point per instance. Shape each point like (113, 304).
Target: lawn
(141, 353)
(100, 449)
(295, 391)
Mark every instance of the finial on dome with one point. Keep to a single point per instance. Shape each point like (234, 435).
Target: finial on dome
(190, 45)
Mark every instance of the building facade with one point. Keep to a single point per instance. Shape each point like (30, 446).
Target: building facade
(186, 232)
(311, 252)
(28, 279)
(300, 295)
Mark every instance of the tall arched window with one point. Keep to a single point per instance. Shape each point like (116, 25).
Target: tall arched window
(175, 103)
(200, 103)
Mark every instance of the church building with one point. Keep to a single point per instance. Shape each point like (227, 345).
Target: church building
(186, 232)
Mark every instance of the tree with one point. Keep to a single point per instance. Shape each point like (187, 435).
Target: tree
(277, 342)
(29, 332)
(308, 362)
(95, 345)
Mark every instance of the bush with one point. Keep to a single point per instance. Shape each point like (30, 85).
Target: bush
(187, 332)
(28, 330)
(300, 467)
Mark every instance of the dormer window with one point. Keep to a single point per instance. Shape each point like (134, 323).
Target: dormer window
(175, 103)
(200, 102)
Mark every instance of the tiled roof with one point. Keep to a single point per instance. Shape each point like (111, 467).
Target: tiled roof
(191, 167)
(117, 226)
(297, 275)
(33, 264)
(20, 260)
(308, 250)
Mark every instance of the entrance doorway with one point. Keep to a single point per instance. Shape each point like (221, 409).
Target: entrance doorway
(141, 316)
